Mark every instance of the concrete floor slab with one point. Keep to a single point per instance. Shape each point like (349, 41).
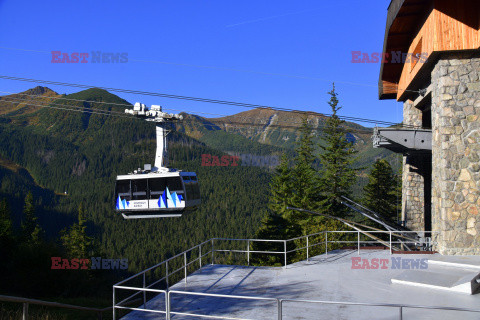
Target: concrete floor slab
(322, 278)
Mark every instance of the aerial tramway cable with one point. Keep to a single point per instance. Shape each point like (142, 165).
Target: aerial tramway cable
(206, 100)
(100, 111)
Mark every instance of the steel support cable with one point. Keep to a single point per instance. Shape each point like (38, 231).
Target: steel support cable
(387, 86)
(208, 119)
(348, 223)
(70, 109)
(377, 215)
(206, 100)
(62, 105)
(120, 114)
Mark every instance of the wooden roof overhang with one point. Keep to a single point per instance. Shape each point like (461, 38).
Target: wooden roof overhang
(430, 28)
(404, 20)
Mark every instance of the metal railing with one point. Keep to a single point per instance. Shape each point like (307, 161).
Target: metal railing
(142, 276)
(196, 256)
(26, 302)
(279, 303)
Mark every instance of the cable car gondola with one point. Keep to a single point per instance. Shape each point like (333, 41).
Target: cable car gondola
(157, 192)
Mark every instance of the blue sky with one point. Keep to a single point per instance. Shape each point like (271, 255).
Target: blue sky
(275, 53)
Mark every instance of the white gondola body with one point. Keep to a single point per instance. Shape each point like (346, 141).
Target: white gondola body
(157, 192)
(150, 195)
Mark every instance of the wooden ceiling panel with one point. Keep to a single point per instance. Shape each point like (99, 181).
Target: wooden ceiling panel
(404, 20)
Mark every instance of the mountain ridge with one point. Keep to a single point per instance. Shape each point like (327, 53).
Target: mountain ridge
(261, 130)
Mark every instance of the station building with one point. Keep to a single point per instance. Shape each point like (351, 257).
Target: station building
(432, 66)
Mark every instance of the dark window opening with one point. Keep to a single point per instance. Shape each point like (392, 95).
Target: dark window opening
(427, 119)
(156, 187)
(139, 189)
(174, 184)
(122, 189)
(196, 191)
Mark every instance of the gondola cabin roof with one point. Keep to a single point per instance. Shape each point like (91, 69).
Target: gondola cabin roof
(426, 27)
(155, 175)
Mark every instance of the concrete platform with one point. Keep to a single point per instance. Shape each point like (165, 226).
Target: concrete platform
(461, 281)
(323, 278)
(467, 262)
(455, 274)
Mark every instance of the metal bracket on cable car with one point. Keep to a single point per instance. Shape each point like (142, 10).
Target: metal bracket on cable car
(155, 114)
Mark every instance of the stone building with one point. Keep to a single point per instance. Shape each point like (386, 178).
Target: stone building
(432, 66)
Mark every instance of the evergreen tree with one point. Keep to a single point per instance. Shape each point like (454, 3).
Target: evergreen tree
(295, 187)
(304, 175)
(6, 229)
(382, 190)
(274, 227)
(337, 174)
(281, 188)
(7, 245)
(31, 231)
(75, 240)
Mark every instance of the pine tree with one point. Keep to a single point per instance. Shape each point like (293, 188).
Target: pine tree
(75, 240)
(382, 190)
(295, 187)
(6, 229)
(281, 188)
(337, 174)
(274, 227)
(304, 175)
(31, 231)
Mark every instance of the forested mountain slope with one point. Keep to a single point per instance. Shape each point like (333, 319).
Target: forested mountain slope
(80, 154)
(268, 131)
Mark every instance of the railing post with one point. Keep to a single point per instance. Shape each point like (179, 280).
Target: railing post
(307, 248)
(113, 309)
(185, 265)
(248, 252)
(401, 313)
(358, 242)
(285, 250)
(213, 259)
(200, 255)
(390, 242)
(144, 293)
(166, 273)
(25, 311)
(167, 304)
(326, 243)
(279, 309)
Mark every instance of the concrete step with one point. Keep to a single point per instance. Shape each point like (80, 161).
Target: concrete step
(465, 262)
(443, 275)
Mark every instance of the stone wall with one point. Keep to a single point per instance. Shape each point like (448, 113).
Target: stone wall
(413, 191)
(412, 179)
(455, 153)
